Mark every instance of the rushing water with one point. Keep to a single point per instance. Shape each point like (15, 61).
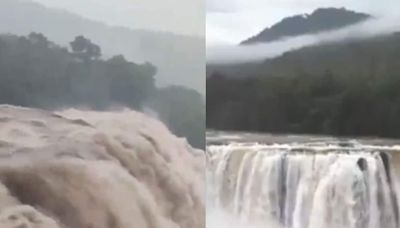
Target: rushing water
(81, 169)
(314, 183)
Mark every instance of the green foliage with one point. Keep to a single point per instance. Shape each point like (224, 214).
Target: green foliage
(176, 56)
(85, 49)
(35, 72)
(183, 110)
(347, 88)
(322, 19)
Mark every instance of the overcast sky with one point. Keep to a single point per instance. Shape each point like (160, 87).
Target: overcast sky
(231, 21)
(178, 16)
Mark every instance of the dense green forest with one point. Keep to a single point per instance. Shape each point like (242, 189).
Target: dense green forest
(184, 108)
(345, 88)
(179, 58)
(320, 20)
(35, 72)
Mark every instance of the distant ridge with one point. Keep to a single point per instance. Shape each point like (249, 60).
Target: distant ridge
(322, 19)
(179, 58)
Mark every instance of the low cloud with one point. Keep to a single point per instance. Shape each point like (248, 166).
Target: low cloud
(229, 54)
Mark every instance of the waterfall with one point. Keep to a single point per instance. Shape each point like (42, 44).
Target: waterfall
(314, 185)
(81, 169)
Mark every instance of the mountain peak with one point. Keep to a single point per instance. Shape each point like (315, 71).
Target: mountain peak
(321, 19)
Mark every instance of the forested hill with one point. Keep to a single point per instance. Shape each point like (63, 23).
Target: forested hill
(343, 88)
(35, 72)
(179, 59)
(321, 20)
(352, 56)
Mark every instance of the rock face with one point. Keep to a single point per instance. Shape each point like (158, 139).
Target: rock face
(80, 169)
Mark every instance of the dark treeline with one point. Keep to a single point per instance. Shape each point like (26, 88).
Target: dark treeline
(321, 19)
(184, 109)
(35, 72)
(347, 88)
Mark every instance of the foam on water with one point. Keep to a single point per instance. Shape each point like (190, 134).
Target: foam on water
(304, 185)
(80, 169)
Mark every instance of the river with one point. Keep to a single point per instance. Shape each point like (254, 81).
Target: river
(79, 168)
(301, 181)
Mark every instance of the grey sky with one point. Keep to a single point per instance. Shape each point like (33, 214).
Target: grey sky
(178, 16)
(231, 21)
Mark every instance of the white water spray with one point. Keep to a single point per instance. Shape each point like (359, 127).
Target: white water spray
(80, 169)
(303, 186)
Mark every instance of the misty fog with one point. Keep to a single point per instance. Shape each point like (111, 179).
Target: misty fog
(231, 54)
(99, 122)
(178, 58)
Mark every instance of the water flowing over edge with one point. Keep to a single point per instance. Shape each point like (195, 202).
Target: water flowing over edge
(303, 185)
(79, 169)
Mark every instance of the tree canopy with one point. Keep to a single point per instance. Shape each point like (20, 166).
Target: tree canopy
(36, 72)
(183, 110)
(345, 88)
